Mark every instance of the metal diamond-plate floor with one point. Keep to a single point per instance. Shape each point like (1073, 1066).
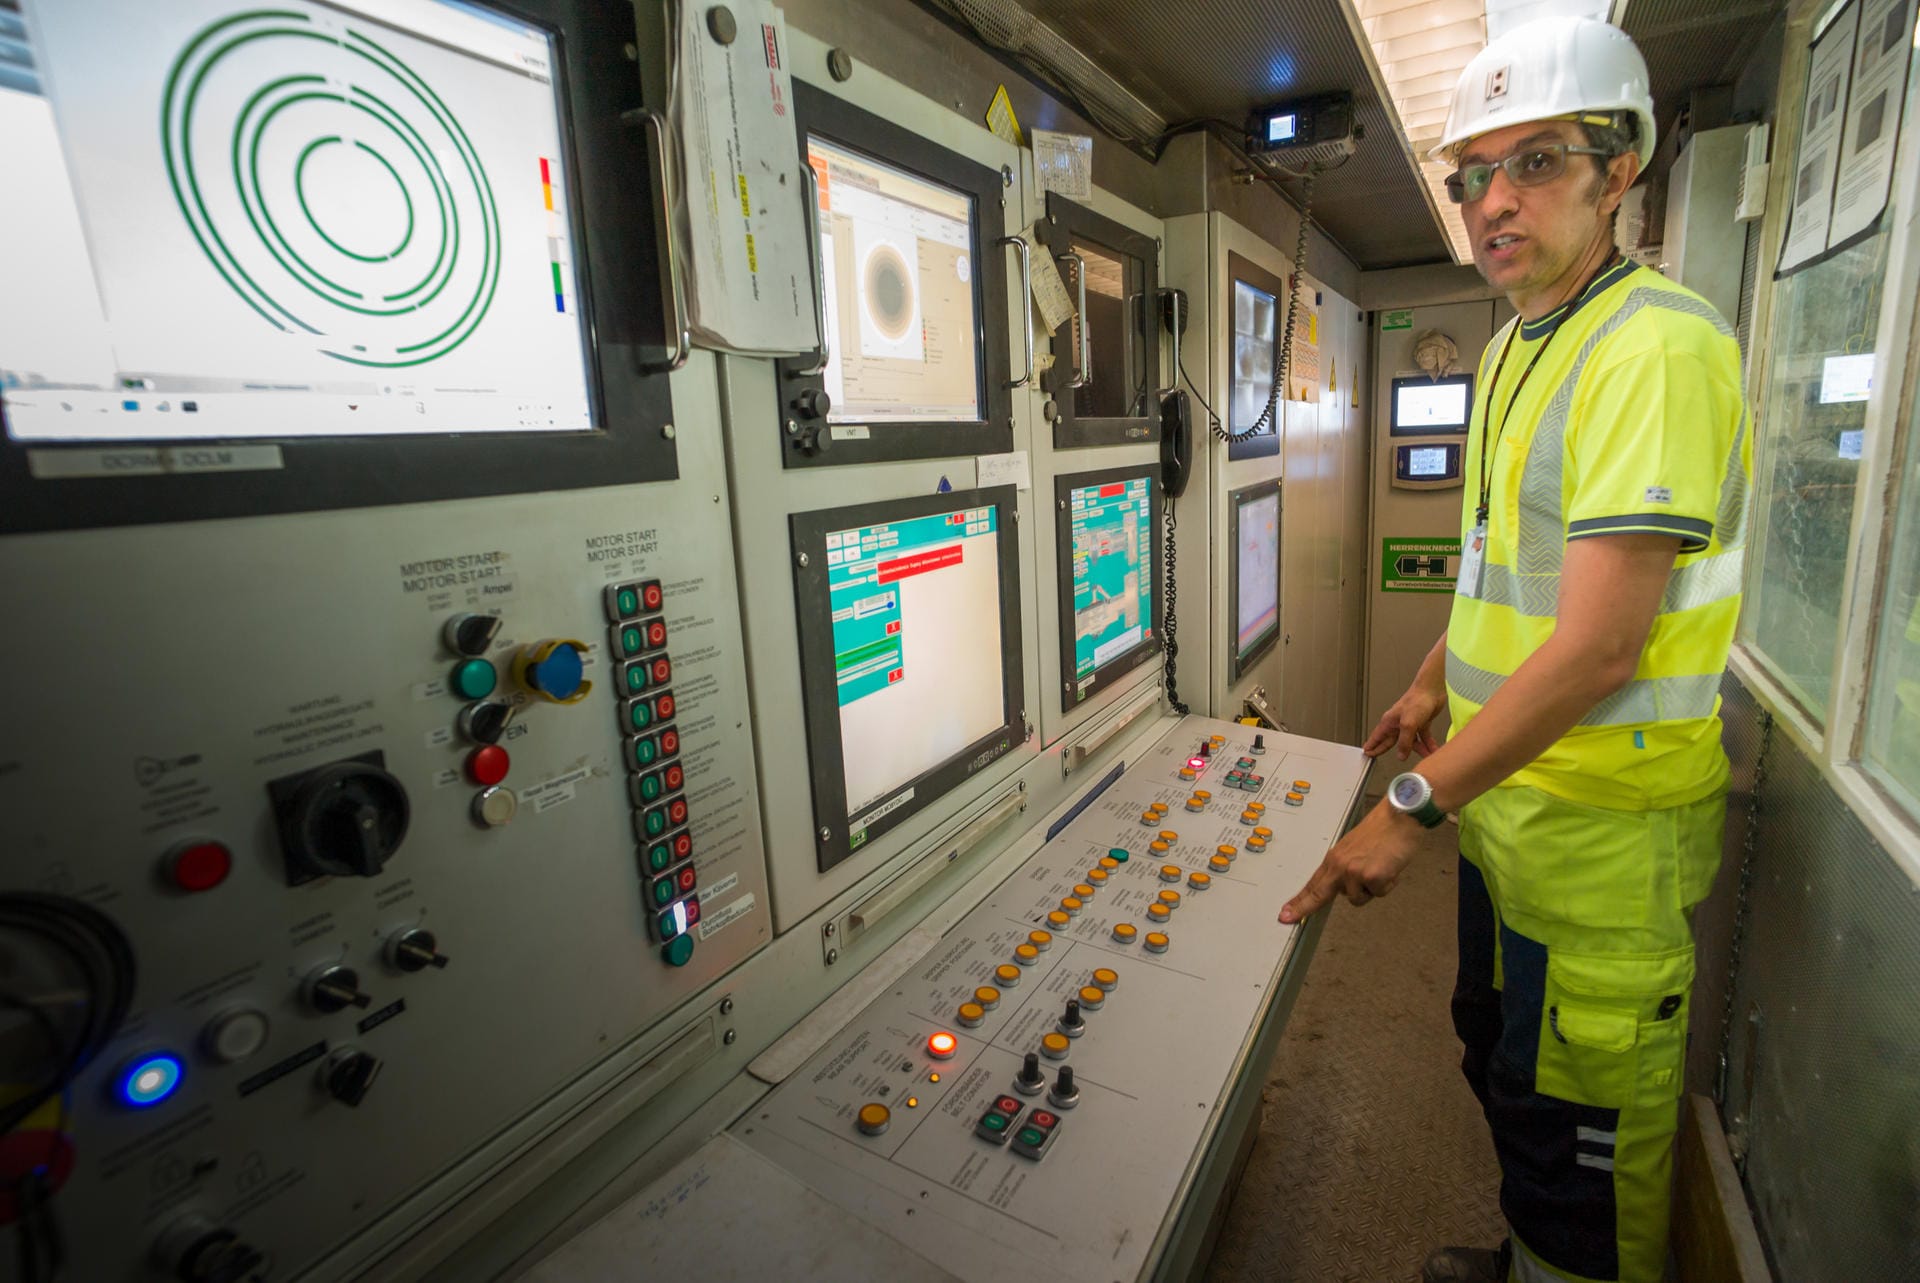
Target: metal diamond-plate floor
(1372, 1151)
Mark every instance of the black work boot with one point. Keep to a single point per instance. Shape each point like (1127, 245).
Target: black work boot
(1468, 1265)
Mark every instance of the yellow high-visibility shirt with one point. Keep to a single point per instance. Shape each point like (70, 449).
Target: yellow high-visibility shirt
(1630, 421)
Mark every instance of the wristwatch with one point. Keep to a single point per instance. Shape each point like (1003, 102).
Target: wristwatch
(1410, 794)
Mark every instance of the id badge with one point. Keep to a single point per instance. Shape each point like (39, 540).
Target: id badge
(1472, 553)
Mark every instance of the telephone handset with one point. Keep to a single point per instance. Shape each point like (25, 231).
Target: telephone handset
(1176, 443)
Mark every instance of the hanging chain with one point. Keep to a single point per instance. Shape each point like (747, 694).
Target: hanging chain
(1747, 846)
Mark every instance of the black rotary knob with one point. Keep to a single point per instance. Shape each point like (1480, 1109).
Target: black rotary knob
(471, 634)
(1031, 1080)
(345, 819)
(334, 988)
(1064, 1094)
(350, 1075)
(485, 721)
(1071, 1024)
(814, 403)
(415, 949)
(195, 1250)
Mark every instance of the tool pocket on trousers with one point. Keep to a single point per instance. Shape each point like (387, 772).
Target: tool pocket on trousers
(1614, 1030)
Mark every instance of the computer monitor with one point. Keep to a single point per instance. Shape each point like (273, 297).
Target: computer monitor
(1424, 406)
(1258, 301)
(913, 298)
(909, 618)
(357, 228)
(1108, 548)
(1253, 580)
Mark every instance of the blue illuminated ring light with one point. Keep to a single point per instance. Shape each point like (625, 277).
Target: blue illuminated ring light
(148, 1079)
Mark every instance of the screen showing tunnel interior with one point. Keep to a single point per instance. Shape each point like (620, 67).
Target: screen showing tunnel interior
(1114, 384)
(312, 220)
(896, 251)
(1112, 534)
(1254, 316)
(916, 648)
(1257, 570)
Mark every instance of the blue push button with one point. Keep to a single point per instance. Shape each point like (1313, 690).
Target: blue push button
(557, 673)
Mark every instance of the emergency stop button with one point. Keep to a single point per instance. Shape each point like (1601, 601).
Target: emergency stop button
(198, 865)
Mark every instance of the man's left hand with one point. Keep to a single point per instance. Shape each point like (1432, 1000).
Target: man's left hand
(1362, 865)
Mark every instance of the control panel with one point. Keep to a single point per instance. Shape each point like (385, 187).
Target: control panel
(1038, 1091)
(411, 816)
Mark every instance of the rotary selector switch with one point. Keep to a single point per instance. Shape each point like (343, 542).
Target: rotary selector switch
(194, 1249)
(1072, 1024)
(334, 987)
(414, 949)
(1065, 1095)
(350, 1074)
(1031, 1080)
(345, 819)
(485, 721)
(471, 634)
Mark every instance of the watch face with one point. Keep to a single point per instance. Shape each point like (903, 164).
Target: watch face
(1408, 791)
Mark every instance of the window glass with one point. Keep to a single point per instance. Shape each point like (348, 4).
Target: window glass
(1115, 385)
(1893, 712)
(1825, 321)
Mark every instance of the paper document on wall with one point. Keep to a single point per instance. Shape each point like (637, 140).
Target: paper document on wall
(1873, 117)
(1064, 163)
(747, 267)
(1049, 291)
(1810, 193)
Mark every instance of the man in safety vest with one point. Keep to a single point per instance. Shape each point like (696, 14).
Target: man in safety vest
(1608, 463)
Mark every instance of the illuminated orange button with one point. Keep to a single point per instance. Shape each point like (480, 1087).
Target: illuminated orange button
(1083, 890)
(1091, 998)
(1055, 1046)
(1262, 832)
(1257, 807)
(1157, 942)
(1072, 904)
(873, 1118)
(1007, 974)
(1170, 898)
(1159, 912)
(1108, 863)
(942, 1045)
(971, 1014)
(1060, 918)
(1188, 773)
(1296, 799)
(1124, 932)
(1302, 786)
(1107, 978)
(1171, 873)
(1219, 864)
(1216, 740)
(1168, 835)
(1097, 876)
(1026, 955)
(1041, 940)
(1199, 881)
(987, 996)
(1159, 846)
(1226, 850)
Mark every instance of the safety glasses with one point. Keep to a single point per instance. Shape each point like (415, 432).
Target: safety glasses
(1529, 168)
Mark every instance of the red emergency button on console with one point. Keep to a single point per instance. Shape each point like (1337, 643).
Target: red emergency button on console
(487, 766)
(198, 866)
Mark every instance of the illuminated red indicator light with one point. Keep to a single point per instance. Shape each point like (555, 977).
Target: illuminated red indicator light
(1196, 762)
(487, 766)
(942, 1045)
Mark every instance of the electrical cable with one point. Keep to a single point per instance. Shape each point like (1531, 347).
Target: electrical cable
(1283, 348)
(1169, 625)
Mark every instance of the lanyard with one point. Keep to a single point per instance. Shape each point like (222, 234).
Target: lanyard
(1489, 453)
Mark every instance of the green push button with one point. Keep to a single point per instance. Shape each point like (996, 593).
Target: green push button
(632, 640)
(678, 951)
(659, 856)
(656, 823)
(1031, 1137)
(994, 1122)
(1118, 854)
(663, 891)
(650, 787)
(627, 601)
(474, 679)
(641, 716)
(644, 751)
(636, 679)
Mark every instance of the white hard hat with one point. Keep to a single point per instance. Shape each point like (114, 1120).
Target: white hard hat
(1551, 68)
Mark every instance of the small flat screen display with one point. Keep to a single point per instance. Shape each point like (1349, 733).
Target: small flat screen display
(1422, 405)
(1254, 316)
(1282, 127)
(1257, 567)
(1112, 537)
(916, 647)
(303, 220)
(1425, 462)
(901, 300)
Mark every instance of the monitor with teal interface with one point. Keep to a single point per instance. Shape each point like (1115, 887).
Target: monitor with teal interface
(1108, 548)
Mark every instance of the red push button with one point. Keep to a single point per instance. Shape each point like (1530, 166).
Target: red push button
(677, 811)
(669, 742)
(1007, 1105)
(682, 845)
(660, 671)
(676, 778)
(650, 595)
(684, 880)
(693, 911)
(663, 706)
(199, 866)
(487, 766)
(656, 633)
(1041, 1118)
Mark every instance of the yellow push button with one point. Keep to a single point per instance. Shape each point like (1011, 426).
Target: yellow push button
(1007, 974)
(1249, 817)
(1083, 890)
(1262, 832)
(873, 1118)
(1108, 863)
(1159, 846)
(1302, 786)
(1041, 940)
(1216, 740)
(1188, 773)
(1158, 808)
(1107, 978)
(1170, 898)
(1124, 932)
(1098, 877)
(1203, 795)
(1159, 912)
(1168, 835)
(1055, 1046)
(987, 996)
(1060, 919)
(971, 1014)
(1219, 864)
(1296, 799)
(1149, 818)
(1196, 803)
(1199, 881)
(1171, 873)
(1157, 942)
(1225, 850)
(1256, 844)
(1072, 904)
(1091, 998)
(1026, 955)
(1257, 807)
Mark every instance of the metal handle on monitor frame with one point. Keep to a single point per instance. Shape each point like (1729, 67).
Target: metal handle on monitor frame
(819, 261)
(1026, 302)
(674, 317)
(1083, 375)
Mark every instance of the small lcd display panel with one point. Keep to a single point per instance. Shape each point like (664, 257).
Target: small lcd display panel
(1256, 570)
(901, 305)
(1426, 462)
(1282, 127)
(1110, 582)
(1423, 406)
(350, 219)
(910, 653)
